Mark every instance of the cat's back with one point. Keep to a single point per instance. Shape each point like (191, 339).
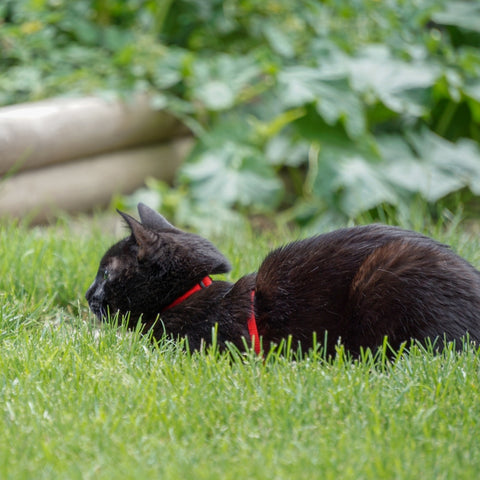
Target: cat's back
(350, 280)
(311, 278)
(341, 251)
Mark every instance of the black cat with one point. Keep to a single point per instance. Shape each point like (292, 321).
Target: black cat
(358, 284)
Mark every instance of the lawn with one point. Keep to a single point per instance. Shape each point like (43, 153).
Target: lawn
(78, 400)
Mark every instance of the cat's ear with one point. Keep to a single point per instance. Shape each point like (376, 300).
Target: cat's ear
(143, 236)
(152, 219)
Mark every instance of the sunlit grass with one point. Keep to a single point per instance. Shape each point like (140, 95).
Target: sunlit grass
(82, 401)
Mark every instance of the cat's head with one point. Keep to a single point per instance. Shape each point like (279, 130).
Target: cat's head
(147, 271)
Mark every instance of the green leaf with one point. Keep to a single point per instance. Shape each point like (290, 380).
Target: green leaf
(363, 185)
(427, 164)
(333, 98)
(472, 93)
(278, 40)
(282, 150)
(235, 174)
(462, 14)
(23, 78)
(473, 90)
(351, 178)
(216, 95)
(346, 173)
(217, 82)
(168, 71)
(405, 171)
(394, 82)
(115, 38)
(458, 162)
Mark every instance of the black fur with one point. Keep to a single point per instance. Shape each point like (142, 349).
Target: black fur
(358, 284)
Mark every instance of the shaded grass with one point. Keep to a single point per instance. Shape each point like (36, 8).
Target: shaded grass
(81, 402)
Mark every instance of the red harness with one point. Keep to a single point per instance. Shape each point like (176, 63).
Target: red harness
(251, 322)
(252, 327)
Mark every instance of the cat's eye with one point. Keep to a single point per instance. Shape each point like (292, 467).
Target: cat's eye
(105, 274)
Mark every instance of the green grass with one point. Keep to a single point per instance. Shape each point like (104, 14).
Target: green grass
(78, 401)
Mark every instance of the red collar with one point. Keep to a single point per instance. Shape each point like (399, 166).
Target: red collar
(251, 322)
(204, 283)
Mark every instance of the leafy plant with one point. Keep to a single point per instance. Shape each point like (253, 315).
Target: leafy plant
(312, 107)
(352, 122)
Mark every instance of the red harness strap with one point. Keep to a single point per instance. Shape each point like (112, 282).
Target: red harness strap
(251, 322)
(252, 327)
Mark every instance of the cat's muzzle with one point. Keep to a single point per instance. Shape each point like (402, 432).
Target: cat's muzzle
(94, 298)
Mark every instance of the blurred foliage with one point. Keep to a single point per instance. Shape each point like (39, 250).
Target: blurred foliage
(300, 107)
